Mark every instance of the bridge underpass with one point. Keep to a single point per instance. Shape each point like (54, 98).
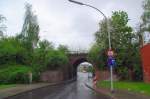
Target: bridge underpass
(74, 90)
(75, 60)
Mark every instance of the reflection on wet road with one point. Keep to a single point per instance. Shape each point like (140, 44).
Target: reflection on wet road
(75, 90)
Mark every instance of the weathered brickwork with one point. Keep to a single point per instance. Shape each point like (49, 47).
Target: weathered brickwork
(145, 54)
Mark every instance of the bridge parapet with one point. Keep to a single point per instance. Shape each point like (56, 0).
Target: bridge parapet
(78, 52)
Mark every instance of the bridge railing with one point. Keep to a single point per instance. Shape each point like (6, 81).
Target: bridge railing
(78, 52)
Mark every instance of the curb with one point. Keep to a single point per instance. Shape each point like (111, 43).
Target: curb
(51, 84)
(95, 90)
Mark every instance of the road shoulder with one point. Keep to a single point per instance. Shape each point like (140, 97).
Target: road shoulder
(22, 88)
(118, 94)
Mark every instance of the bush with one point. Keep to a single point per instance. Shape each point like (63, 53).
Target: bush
(90, 69)
(15, 74)
(12, 51)
(56, 59)
(123, 73)
(98, 57)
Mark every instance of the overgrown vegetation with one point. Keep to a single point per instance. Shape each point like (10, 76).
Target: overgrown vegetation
(14, 74)
(138, 87)
(123, 42)
(25, 53)
(7, 86)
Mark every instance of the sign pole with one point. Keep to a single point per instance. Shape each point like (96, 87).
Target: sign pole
(111, 78)
(110, 54)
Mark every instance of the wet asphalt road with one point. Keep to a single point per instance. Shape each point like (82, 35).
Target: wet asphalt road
(75, 90)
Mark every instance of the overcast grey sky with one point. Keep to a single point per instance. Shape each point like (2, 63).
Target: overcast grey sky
(62, 22)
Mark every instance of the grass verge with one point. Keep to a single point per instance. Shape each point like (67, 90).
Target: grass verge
(139, 87)
(7, 86)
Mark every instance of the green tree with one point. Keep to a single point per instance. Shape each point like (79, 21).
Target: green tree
(122, 40)
(30, 29)
(63, 48)
(46, 45)
(121, 33)
(40, 55)
(2, 26)
(101, 36)
(146, 16)
(97, 56)
(144, 26)
(12, 51)
(56, 60)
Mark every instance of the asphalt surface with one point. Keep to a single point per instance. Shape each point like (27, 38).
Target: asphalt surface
(75, 90)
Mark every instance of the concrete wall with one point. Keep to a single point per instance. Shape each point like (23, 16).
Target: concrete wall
(145, 54)
(105, 75)
(52, 76)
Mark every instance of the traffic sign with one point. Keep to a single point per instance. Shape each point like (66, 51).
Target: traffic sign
(111, 61)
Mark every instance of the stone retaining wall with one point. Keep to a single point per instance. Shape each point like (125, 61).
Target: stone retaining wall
(52, 76)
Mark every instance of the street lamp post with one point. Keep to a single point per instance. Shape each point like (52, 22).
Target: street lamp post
(108, 31)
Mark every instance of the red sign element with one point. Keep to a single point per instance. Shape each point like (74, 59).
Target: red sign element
(110, 53)
(95, 81)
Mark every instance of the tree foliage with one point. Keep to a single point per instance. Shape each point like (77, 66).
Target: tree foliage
(101, 36)
(47, 57)
(12, 51)
(56, 60)
(63, 48)
(97, 56)
(146, 15)
(144, 26)
(14, 74)
(30, 29)
(121, 33)
(2, 26)
(122, 42)
(25, 53)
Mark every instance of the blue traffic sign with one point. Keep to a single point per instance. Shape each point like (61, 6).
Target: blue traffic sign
(111, 61)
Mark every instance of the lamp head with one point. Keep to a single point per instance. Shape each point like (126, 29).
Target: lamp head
(80, 3)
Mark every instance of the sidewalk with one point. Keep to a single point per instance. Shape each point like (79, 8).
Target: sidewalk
(118, 94)
(4, 93)
(20, 89)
